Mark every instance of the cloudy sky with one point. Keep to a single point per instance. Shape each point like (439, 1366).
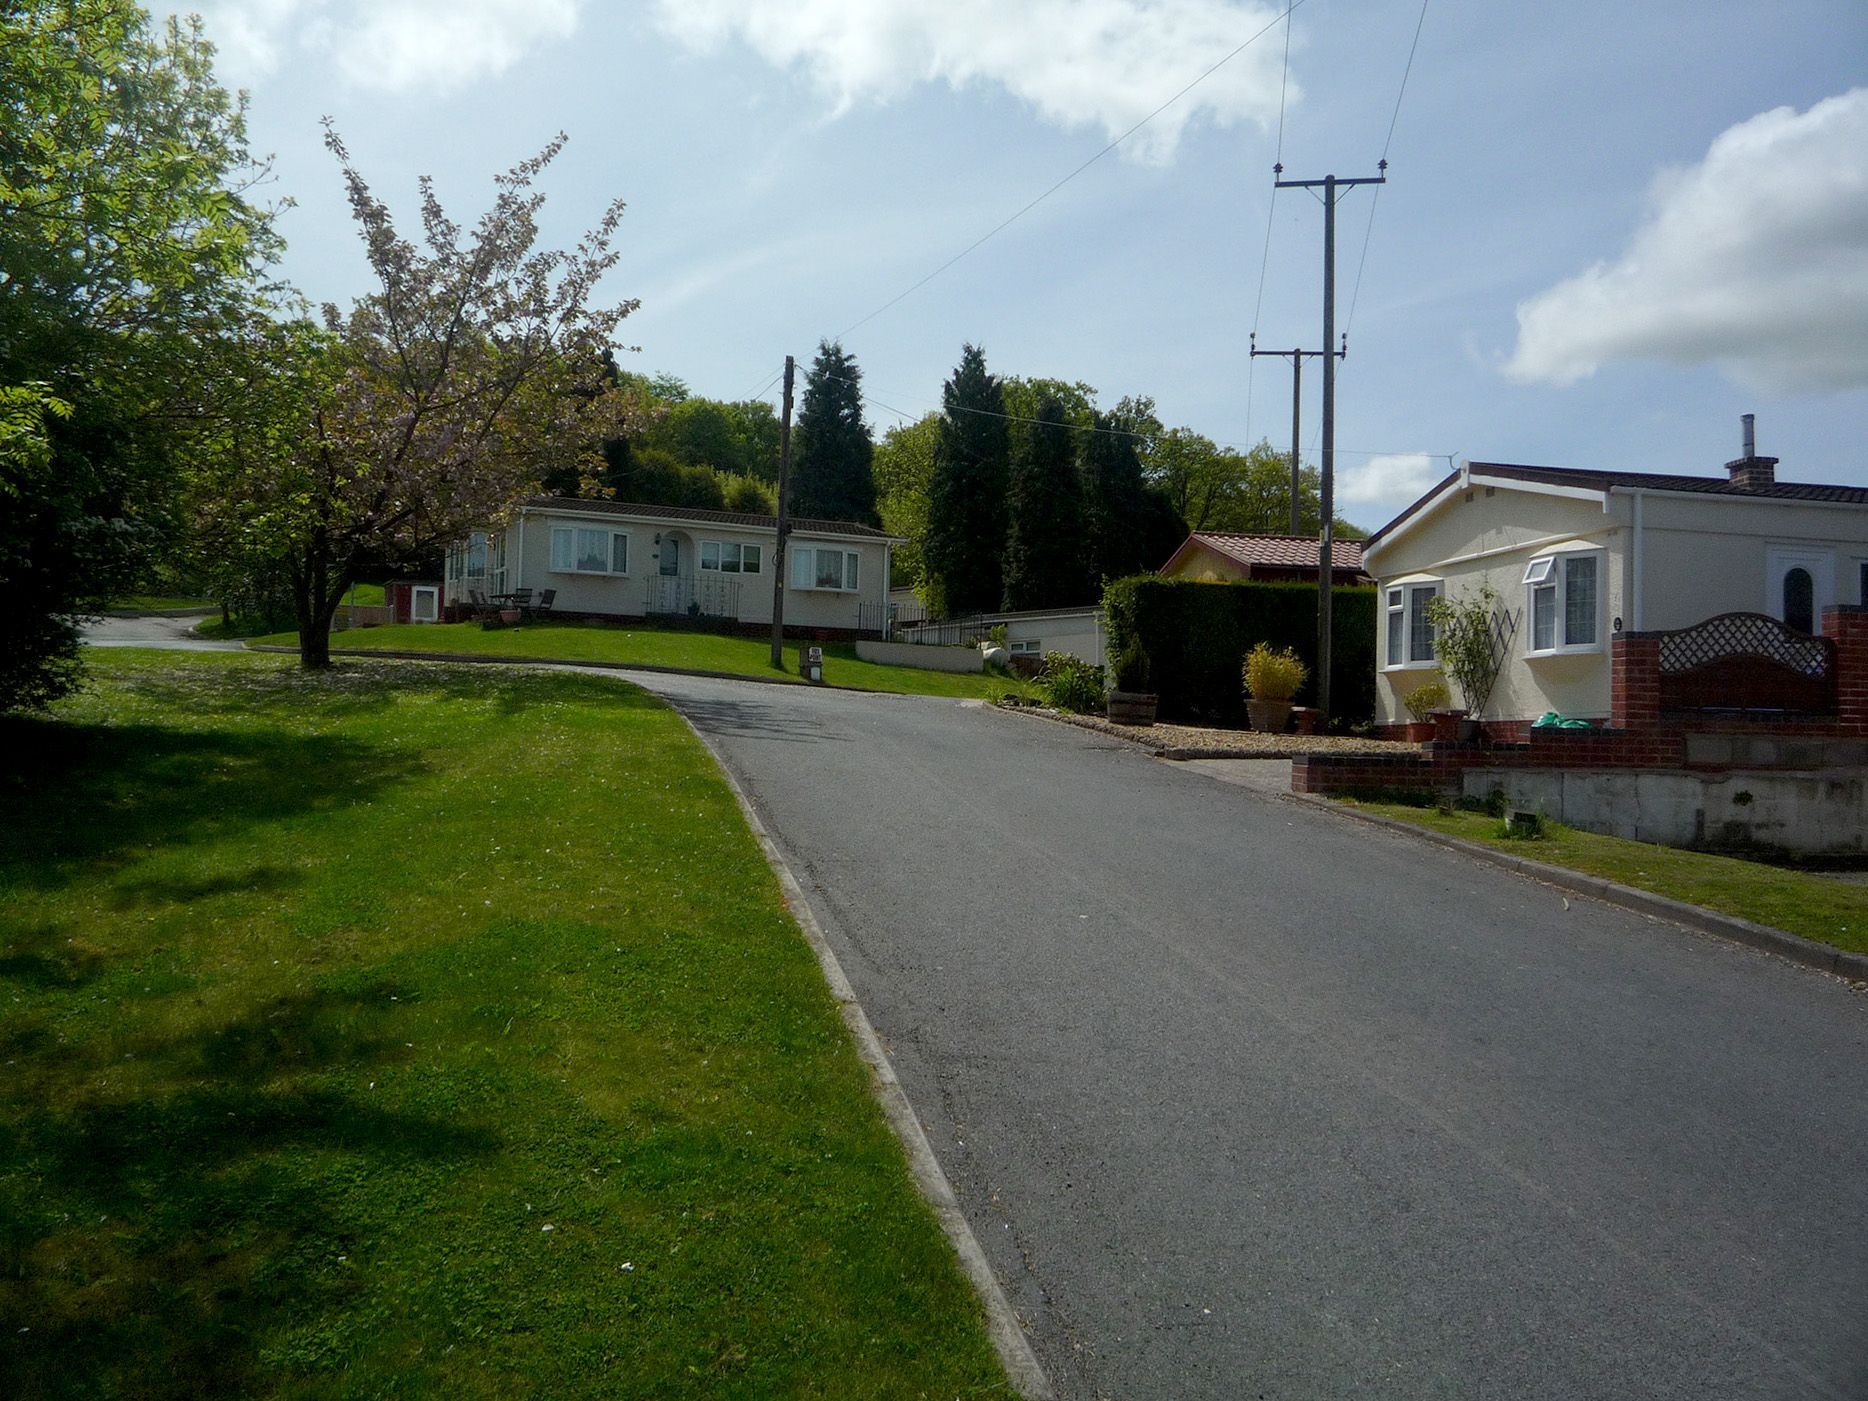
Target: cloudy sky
(1610, 228)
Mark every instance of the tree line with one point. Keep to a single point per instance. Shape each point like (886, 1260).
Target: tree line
(168, 406)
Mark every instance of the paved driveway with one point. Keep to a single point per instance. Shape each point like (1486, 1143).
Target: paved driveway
(1246, 1100)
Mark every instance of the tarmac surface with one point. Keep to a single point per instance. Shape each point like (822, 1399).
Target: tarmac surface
(1244, 1099)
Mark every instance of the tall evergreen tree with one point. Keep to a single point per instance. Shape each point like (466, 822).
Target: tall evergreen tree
(832, 463)
(1115, 498)
(1044, 555)
(966, 500)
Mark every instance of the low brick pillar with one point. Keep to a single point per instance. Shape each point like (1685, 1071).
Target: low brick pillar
(1634, 681)
(1847, 626)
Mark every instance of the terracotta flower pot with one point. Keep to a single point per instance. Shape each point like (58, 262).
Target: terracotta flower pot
(510, 615)
(1446, 725)
(1270, 716)
(1417, 731)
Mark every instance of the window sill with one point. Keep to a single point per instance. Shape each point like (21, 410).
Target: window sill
(1594, 649)
(589, 573)
(1401, 668)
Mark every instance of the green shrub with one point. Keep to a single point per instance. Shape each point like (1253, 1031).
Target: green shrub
(1272, 676)
(1191, 635)
(1070, 683)
(1427, 697)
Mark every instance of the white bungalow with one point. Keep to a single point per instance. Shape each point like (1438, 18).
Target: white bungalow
(611, 559)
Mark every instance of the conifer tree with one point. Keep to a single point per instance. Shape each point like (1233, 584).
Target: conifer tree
(966, 500)
(1044, 554)
(833, 454)
(1115, 498)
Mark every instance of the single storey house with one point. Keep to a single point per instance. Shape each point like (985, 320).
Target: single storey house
(1217, 557)
(1579, 557)
(613, 559)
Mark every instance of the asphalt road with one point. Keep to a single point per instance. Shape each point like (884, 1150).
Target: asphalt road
(1246, 1100)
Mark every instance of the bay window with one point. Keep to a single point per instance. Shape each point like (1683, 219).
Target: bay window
(1409, 632)
(589, 550)
(819, 567)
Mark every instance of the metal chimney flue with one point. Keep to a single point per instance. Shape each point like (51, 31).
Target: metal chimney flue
(1751, 472)
(1750, 423)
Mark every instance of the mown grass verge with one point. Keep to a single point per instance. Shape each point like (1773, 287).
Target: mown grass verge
(1818, 907)
(697, 651)
(428, 1030)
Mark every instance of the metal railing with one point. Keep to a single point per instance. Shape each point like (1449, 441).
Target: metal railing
(672, 596)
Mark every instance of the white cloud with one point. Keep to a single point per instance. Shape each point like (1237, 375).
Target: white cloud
(394, 45)
(1755, 260)
(1391, 479)
(1103, 63)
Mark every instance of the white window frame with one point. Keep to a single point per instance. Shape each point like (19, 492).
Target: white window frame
(433, 595)
(1025, 647)
(1552, 571)
(615, 539)
(740, 550)
(804, 571)
(1402, 599)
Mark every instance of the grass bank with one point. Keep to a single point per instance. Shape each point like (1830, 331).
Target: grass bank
(699, 651)
(1818, 907)
(420, 1031)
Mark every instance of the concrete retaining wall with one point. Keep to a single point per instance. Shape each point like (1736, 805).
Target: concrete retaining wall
(1813, 813)
(927, 658)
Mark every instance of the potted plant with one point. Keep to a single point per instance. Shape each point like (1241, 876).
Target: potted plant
(1421, 703)
(1271, 679)
(1469, 639)
(1130, 701)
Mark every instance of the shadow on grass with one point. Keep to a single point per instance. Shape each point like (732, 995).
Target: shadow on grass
(77, 796)
(207, 1233)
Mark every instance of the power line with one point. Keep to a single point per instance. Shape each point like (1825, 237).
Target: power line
(1375, 203)
(1013, 218)
(1271, 210)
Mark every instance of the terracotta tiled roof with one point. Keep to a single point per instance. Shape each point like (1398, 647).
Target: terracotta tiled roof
(704, 517)
(1299, 551)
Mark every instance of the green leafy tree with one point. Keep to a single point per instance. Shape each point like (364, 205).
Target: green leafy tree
(1044, 559)
(1124, 522)
(436, 404)
(130, 245)
(832, 452)
(904, 479)
(965, 541)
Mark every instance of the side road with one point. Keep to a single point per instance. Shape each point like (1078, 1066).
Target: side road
(1243, 1098)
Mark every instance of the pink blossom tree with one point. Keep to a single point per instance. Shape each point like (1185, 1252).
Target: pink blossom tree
(430, 410)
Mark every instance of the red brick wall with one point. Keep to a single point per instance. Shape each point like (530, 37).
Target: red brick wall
(1848, 626)
(1634, 681)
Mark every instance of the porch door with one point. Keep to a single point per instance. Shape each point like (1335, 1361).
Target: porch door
(1798, 585)
(670, 556)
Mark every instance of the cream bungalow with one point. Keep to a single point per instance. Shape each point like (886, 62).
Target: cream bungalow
(1576, 556)
(621, 560)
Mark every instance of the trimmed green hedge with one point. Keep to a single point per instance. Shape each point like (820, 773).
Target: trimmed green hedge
(1195, 637)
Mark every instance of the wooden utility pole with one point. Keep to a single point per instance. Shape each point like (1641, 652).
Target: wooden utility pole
(784, 527)
(1329, 184)
(1297, 358)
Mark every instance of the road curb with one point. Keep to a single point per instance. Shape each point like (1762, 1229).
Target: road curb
(482, 659)
(1002, 1322)
(1177, 753)
(1808, 952)
(158, 612)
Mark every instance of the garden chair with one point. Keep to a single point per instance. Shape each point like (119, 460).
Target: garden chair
(542, 606)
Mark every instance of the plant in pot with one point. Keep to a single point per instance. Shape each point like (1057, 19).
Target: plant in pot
(1130, 701)
(1421, 703)
(1470, 636)
(1271, 679)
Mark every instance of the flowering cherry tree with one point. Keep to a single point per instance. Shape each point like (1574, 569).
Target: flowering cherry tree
(427, 411)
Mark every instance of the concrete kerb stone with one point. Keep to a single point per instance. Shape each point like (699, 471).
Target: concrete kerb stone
(483, 659)
(1003, 1326)
(1174, 753)
(158, 612)
(1808, 952)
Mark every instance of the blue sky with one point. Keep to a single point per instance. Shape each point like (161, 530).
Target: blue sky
(1673, 196)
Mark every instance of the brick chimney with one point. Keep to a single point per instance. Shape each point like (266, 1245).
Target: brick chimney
(1751, 472)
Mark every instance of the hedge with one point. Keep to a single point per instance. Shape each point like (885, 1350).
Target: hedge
(1195, 637)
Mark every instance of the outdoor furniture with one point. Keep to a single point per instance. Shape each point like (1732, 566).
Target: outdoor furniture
(483, 611)
(542, 606)
(519, 598)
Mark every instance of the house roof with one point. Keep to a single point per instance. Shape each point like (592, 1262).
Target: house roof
(1283, 551)
(1581, 479)
(699, 516)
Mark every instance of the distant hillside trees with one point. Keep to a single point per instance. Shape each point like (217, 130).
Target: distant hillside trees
(832, 452)
(1045, 564)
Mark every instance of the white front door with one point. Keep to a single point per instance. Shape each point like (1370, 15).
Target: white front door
(670, 556)
(1798, 584)
(425, 605)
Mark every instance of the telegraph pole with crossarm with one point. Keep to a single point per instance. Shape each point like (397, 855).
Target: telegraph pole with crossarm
(1331, 187)
(1297, 358)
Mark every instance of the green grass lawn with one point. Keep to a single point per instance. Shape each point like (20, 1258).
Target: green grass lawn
(1817, 907)
(428, 1030)
(365, 595)
(157, 603)
(703, 651)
